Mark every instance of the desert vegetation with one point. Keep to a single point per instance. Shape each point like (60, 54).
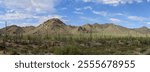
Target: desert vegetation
(53, 37)
(74, 45)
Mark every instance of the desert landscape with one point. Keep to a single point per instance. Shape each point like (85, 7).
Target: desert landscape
(54, 37)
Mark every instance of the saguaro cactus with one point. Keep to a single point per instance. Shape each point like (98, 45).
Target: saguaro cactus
(5, 36)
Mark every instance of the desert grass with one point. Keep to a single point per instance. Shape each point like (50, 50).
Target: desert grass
(81, 44)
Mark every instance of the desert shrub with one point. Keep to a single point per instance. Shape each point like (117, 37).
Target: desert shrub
(67, 50)
(83, 44)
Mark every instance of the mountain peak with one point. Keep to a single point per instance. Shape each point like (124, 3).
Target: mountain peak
(54, 21)
(13, 29)
(144, 27)
(12, 26)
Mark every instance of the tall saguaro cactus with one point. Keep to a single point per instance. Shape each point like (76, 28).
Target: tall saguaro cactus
(5, 36)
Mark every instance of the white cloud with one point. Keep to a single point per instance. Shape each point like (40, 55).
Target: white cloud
(30, 5)
(136, 18)
(148, 0)
(25, 24)
(88, 7)
(87, 0)
(40, 19)
(77, 12)
(102, 13)
(44, 18)
(0, 2)
(119, 14)
(115, 20)
(115, 2)
(19, 17)
(107, 14)
(2, 22)
(19, 11)
(57, 16)
(63, 8)
(147, 23)
(78, 9)
(15, 16)
(84, 8)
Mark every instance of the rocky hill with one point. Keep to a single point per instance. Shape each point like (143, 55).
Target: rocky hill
(143, 30)
(12, 30)
(56, 26)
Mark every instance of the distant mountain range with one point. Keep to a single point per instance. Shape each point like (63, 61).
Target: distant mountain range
(56, 26)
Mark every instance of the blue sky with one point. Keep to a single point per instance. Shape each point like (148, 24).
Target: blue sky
(127, 13)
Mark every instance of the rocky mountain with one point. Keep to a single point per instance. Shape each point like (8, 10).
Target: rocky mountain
(52, 26)
(143, 30)
(111, 29)
(12, 30)
(56, 26)
(28, 28)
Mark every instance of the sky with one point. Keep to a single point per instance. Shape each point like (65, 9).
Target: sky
(127, 13)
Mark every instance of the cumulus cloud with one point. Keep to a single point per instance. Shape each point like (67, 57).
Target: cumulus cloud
(107, 14)
(1, 22)
(115, 2)
(84, 8)
(20, 11)
(30, 5)
(115, 20)
(147, 23)
(102, 13)
(77, 12)
(15, 16)
(87, 0)
(44, 18)
(88, 7)
(78, 9)
(19, 17)
(136, 18)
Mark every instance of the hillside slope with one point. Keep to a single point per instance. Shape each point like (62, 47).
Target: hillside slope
(55, 26)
